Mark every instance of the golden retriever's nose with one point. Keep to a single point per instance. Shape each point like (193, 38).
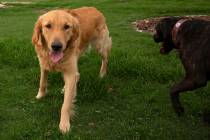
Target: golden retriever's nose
(56, 46)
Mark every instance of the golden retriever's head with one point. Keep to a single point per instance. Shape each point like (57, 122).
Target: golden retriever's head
(55, 30)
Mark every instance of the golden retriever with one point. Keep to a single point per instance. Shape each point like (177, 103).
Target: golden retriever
(60, 37)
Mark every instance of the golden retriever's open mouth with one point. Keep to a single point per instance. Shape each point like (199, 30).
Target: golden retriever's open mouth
(56, 56)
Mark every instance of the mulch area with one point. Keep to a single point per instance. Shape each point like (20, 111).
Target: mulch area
(148, 25)
(4, 5)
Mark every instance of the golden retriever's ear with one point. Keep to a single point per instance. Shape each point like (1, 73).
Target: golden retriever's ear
(37, 34)
(76, 32)
(76, 27)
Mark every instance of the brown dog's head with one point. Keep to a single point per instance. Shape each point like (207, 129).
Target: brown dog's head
(56, 30)
(163, 33)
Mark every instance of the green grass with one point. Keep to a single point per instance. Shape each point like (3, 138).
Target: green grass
(131, 102)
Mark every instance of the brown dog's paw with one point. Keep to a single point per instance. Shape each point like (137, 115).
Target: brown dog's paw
(179, 110)
(206, 117)
(177, 105)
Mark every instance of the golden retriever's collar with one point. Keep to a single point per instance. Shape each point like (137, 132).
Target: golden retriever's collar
(176, 28)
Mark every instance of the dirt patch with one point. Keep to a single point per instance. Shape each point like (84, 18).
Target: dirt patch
(3, 6)
(13, 3)
(148, 25)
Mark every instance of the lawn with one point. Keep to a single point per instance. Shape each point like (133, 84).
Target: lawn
(131, 102)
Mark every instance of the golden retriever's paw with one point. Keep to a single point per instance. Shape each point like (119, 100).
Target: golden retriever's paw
(64, 127)
(40, 95)
(102, 74)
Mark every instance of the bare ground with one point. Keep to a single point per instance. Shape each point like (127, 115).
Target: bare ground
(148, 25)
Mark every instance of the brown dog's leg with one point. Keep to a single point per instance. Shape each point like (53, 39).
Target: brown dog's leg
(68, 104)
(42, 84)
(185, 85)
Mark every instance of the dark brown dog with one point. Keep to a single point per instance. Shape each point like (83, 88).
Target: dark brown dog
(191, 38)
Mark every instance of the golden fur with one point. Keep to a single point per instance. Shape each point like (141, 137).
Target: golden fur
(75, 29)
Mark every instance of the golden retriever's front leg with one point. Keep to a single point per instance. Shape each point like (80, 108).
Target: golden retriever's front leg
(68, 104)
(42, 84)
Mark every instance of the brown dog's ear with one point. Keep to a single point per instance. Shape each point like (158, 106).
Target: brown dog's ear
(37, 34)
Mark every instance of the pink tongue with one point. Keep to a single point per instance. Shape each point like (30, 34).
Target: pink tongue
(56, 56)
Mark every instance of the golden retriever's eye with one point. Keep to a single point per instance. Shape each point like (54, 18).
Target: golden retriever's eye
(66, 27)
(48, 26)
